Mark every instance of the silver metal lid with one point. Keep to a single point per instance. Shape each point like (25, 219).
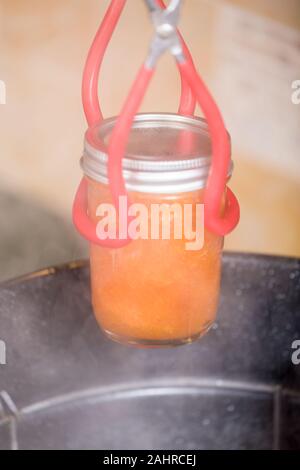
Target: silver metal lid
(166, 154)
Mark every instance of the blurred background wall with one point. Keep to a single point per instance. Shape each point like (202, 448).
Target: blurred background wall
(248, 51)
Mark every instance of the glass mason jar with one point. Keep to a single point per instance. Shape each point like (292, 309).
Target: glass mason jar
(155, 292)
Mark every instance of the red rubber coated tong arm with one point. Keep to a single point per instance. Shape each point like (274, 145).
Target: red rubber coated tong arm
(193, 90)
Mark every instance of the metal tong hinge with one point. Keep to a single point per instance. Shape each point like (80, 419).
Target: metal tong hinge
(166, 37)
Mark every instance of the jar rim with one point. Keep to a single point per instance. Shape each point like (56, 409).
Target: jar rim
(154, 167)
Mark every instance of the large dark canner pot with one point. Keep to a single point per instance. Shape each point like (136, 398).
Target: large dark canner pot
(65, 386)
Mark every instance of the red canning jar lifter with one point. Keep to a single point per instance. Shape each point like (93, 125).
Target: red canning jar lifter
(115, 165)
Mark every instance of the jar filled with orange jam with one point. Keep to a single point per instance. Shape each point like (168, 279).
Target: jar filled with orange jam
(155, 291)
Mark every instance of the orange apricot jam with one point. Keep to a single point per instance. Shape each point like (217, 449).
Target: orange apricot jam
(154, 292)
